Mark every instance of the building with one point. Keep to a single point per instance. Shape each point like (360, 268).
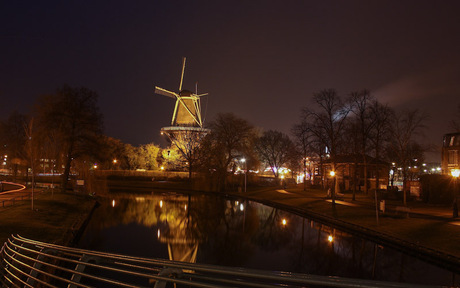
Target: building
(350, 172)
(450, 148)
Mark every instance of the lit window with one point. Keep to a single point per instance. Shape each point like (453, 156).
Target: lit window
(453, 157)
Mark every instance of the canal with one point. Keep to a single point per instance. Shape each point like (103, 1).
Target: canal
(215, 230)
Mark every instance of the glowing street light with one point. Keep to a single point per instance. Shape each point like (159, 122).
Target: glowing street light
(243, 160)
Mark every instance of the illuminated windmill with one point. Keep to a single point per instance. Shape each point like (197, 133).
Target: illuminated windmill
(186, 130)
(187, 112)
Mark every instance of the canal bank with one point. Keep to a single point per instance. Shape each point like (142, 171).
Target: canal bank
(56, 218)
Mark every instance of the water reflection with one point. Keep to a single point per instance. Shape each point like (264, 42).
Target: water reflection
(221, 231)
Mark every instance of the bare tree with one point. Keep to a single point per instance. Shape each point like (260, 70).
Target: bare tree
(360, 102)
(14, 139)
(231, 137)
(304, 140)
(379, 135)
(328, 123)
(188, 142)
(73, 115)
(274, 149)
(405, 127)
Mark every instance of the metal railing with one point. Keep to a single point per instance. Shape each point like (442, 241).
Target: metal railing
(29, 263)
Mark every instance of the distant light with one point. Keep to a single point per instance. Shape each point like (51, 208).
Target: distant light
(95, 166)
(115, 161)
(185, 207)
(158, 233)
(161, 203)
(332, 173)
(455, 172)
(330, 238)
(113, 203)
(438, 169)
(162, 168)
(243, 160)
(284, 222)
(241, 207)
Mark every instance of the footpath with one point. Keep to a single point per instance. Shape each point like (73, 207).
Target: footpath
(426, 231)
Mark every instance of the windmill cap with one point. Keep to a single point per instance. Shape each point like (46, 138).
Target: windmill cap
(185, 93)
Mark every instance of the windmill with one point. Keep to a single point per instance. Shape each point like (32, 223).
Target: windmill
(186, 130)
(187, 111)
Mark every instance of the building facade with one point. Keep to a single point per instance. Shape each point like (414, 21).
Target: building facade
(450, 153)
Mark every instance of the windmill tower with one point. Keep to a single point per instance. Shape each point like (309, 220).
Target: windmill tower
(187, 111)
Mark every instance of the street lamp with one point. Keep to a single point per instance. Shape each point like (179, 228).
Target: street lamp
(332, 194)
(243, 160)
(455, 173)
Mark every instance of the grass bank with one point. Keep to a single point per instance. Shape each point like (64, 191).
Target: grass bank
(56, 217)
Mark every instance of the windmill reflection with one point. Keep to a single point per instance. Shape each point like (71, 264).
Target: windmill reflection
(177, 228)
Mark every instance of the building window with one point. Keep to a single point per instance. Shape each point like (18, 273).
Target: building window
(453, 157)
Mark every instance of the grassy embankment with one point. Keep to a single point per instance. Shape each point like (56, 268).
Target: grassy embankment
(56, 217)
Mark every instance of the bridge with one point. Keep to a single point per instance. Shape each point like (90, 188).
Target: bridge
(29, 263)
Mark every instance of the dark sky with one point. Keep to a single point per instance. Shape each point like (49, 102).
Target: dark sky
(261, 60)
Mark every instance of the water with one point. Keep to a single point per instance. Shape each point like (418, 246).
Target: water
(216, 230)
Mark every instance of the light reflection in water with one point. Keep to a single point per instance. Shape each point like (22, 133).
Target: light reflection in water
(215, 230)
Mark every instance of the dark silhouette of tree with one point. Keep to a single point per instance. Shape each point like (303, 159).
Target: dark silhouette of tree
(328, 123)
(364, 124)
(304, 140)
(14, 139)
(380, 133)
(72, 115)
(188, 142)
(405, 127)
(230, 138)
(274, 148)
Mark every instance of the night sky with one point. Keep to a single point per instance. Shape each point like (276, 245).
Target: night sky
(261, 60)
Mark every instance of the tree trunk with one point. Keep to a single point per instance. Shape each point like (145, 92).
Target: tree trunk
(65, 175)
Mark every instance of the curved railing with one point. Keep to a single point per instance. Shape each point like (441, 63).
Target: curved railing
(29, 263)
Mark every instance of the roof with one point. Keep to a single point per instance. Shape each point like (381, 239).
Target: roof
(352, 158)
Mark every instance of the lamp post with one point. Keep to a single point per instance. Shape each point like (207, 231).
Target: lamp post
(332, 173)
(455, 173)
(243, 160)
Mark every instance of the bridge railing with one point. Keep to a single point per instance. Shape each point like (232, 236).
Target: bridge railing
(29, 263)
